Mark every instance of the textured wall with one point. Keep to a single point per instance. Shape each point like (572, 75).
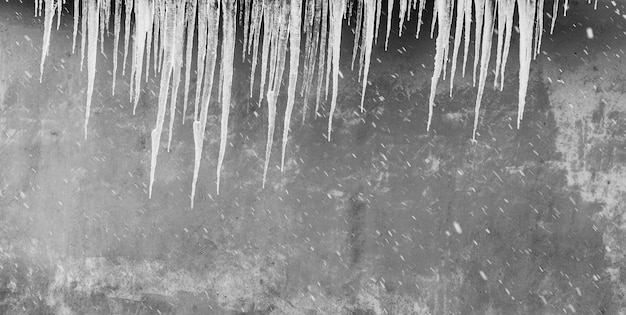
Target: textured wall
(384, 219)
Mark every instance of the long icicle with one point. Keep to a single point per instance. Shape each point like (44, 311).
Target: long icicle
(199, 126)
(179, 36)
(267, 29)
(257, 16)
(50, 10)
(294, 62)
(555, 12)
(166, 76)
(76, 14)
(370, 9)
(144, 12)
(323, 56)
(128, 5)
(336, 12)
(228, 50)
(279, 50)
(484, 61)
(310, 29)
(190, 19)
(116, 40)
(92, 19)
(202, 39)
(468, 31)
(443, 38)
(389, 16)
(508, 15)
(83, 31)
(526, 20)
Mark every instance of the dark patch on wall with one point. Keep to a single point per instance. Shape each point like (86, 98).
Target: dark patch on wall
(356, 227)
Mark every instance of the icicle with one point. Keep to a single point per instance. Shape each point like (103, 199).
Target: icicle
(367, 46)
(247, 11)
(294, 61)
(555, 12)
(83, 32)
(433, 23)
(468, 30)
(565, 7)
(479, 7)
(276, 74)
(166, 75)
(117, 20)
(311, 30)
(336, 14)
(59, 7)
(202, 39)
(228, 48)
(92, 19)
(460, 14)
(257, 14)
(358, 35)
(484, 61)
(538, 28)
(46, 33)
(144, 13)
(323, 55)
(179, 36)
(190, 19)
(76, 14)
(199, 126)
(267, 31)
(501, 14)
(127, 18)
(389, 16)
(155, 37)
(509, 11)
(329, 54)
(378, 12)
(403, 8)
(420, 12)
(447, 47)
(271, 117)
(526, 19)
(104, 13)
(443, 38)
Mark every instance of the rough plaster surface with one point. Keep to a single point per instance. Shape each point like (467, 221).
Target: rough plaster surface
(384, 219)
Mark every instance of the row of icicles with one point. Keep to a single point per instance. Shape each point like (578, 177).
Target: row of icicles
(164, 31)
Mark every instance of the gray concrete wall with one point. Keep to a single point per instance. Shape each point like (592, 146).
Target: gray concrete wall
(383, 219)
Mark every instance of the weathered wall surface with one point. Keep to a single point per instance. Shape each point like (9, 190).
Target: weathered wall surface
(383, 219)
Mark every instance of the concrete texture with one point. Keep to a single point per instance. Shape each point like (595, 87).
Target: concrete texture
(383, 219)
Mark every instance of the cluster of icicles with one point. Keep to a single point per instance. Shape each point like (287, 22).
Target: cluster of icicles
(165, 29)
